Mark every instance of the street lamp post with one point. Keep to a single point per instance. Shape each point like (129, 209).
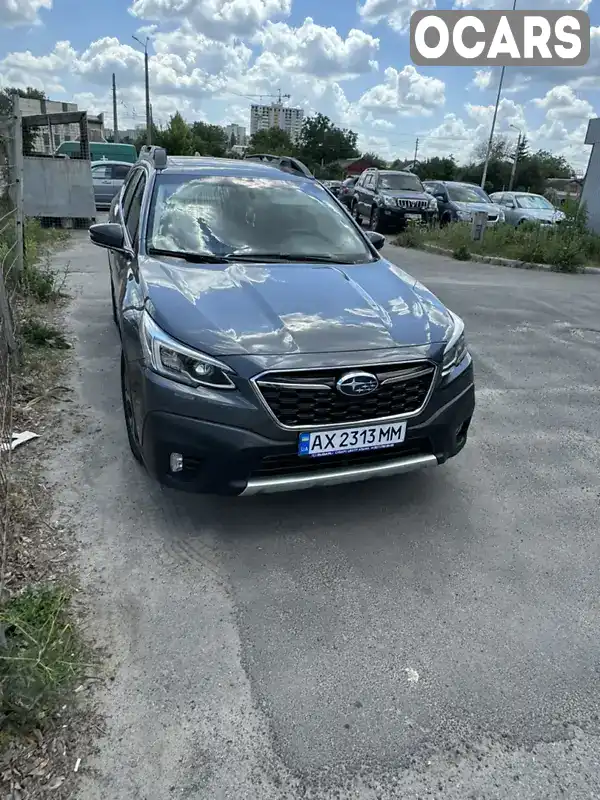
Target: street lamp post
(516, 158)
(147, 81)
(491, 139)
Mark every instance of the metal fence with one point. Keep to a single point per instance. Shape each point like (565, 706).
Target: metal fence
(11, 266)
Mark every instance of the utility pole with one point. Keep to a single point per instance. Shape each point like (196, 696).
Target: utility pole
(147, 81)
(115, 120)
(491, 139)
(514, 166)
(416, 153)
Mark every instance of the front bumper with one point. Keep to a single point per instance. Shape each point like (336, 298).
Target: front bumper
(394, 215)
(227, 460)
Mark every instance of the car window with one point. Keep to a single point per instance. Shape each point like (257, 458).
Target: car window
(132, 218)
(225, 215)
(400, 182)
(132, 182)
(369, 181)
(120, 172)
(535, 201)
(101, 172)
(465, 193)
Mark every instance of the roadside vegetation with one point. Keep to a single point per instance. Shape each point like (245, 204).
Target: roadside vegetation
(566, 248)
(43, 656)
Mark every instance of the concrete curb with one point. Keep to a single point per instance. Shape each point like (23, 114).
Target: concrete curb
(508, 262)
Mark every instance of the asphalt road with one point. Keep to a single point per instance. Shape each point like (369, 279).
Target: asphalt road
(434, 635)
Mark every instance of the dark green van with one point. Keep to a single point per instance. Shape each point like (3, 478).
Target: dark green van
(100, 151)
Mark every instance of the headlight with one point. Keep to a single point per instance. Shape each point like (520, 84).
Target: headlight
(433, 204)
(174, 360)
(465, 216)
(389, 201)
(456, 349)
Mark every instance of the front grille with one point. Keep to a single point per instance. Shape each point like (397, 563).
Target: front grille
(415, 205)
(293, 464)
(492, 217)
(307, 399)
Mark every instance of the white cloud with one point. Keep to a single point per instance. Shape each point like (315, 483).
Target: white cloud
(405, 92)
(217, 19)
(314, 50)
(561, 103)
(197, 50)
(22, 12)
(532, 5)
(395, 12)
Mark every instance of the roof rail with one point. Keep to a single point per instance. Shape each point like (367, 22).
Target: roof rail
(157, 155)
(285, 163)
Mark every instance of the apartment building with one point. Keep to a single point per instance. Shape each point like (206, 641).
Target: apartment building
(239, 131)
(276, 115)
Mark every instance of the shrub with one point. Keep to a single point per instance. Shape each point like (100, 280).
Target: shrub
(461, 253)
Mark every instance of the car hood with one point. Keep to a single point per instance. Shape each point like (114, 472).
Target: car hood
(487, 207)
(279, 309)
(405, 194)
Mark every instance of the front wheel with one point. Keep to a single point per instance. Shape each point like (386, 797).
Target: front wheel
(375, 223)
(130, 424)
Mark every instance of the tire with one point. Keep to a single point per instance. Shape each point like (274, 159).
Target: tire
(445, 220)
(355, 213)
(375, 222)
(132, 434)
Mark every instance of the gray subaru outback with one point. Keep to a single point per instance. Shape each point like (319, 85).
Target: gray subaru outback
(266, 343)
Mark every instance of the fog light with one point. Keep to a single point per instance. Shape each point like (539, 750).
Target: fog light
(176, 462)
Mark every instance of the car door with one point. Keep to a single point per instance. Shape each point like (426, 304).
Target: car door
(438, 190)
(119, 173)
(507, 201)
(366, 195)
(102, 181)
(118, 263)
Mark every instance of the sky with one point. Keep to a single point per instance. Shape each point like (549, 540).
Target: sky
(349, 59)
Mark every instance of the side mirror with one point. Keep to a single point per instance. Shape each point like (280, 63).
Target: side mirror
(111, 236)
(439, 196)
(510, 204)
(377, 239)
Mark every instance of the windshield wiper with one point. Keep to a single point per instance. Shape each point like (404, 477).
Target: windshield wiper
(300, 257)
(194, 258)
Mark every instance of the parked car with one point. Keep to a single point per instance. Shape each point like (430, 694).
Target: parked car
(334, 187)
(266, 345)
(391, 199)
(521, 207)
(108, 178)
(346, 192)
(458, 201)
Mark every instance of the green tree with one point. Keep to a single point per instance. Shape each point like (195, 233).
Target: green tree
(442, 169)
(322, 142)
(523, 148)
(209, 140)
(176, 138)
(500, 149)
(272, 140)
(374, 160)
(6, 104)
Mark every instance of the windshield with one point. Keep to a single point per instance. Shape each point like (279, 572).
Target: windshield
(227, 216)
(400, 182)
(463, 193)
(534, 201)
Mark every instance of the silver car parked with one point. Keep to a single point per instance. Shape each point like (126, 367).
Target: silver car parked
(108, 177)
(526, 207)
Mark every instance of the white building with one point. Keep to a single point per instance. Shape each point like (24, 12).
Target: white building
(239, 131)
(276, 115)
(48, 139)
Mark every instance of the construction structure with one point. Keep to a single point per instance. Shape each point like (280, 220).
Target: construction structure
(276, 115)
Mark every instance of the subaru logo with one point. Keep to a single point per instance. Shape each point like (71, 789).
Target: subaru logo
(357, 384)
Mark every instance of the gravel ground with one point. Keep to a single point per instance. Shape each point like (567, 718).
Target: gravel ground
(428, 636)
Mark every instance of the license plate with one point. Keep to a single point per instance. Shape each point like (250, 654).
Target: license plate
(413, 216)
(350, 440)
